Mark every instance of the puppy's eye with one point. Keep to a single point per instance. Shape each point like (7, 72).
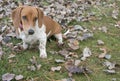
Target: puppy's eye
(24, 17)
(35, 19)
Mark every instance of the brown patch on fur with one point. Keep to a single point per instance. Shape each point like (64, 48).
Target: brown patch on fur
(52, 26)
(16, 17)
(31, 13)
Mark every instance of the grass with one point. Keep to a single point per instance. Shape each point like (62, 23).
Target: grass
(112, 43)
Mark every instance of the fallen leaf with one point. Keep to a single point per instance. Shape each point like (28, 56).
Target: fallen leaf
(33, 60)
(73, 54)
(58, 68)
(18, 77)
(109, 65)
(103, 29)
(11, 56)
(86, 53)
(59, 61)
(100, 42)
(85, 36)
(77, 62)
(110, 71)
(77, 28)
(31, 68)
(11, 34)
(72, 68)
(73, 44)
(102, 55)
(7, 77)
(64, 53)
(38, 66)
(7, 39)
(115, 13)
(107, 56)
(18, 47)
(117, 24)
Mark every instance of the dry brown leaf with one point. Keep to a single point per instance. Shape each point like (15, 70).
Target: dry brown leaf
(102, 55)
(73, 44)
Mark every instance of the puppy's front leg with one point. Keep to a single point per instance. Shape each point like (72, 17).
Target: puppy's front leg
(42, 46)
(25, 46)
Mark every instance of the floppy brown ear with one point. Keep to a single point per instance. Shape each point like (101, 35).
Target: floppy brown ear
(40, 17)
(16, 16)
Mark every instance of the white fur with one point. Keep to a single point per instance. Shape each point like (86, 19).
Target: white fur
(59, 37)
(39, 35)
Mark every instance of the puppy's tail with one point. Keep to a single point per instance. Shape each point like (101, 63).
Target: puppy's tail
(68, 31)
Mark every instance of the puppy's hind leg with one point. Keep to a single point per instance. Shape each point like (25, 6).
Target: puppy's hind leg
(59, 38)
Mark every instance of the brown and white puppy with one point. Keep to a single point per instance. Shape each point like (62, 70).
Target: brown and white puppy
(31, 25)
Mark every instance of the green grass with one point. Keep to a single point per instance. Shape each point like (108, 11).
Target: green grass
(112, 43)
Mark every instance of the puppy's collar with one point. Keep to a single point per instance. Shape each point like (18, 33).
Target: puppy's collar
(21, 27)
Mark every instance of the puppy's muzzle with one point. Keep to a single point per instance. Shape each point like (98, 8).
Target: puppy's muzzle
(30, 31)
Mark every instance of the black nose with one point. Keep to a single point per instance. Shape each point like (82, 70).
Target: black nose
(31, 32)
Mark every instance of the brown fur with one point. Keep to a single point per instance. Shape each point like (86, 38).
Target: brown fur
(31, 13)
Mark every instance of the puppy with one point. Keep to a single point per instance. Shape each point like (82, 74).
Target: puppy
(31, 26)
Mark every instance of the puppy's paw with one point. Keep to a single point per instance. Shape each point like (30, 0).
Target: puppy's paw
(25, 46)
(44, 55)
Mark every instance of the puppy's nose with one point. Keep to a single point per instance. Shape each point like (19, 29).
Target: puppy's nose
(30, 32)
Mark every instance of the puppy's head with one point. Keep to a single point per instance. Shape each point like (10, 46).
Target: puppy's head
(27, 18)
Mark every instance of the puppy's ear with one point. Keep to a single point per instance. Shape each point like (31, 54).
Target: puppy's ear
(16, 16)
(40, 17)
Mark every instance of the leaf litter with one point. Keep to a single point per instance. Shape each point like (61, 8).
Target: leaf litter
(76, 69)
(58, 68)
(35, 65)
(63, 12)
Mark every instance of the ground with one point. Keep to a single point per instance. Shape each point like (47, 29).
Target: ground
(111, 39)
